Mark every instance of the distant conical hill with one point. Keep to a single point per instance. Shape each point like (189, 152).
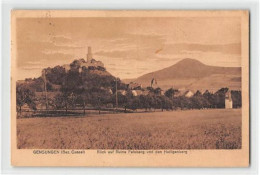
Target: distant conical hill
(192, 74)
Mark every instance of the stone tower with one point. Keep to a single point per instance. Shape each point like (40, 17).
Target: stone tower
(89, 55)
(228, 100)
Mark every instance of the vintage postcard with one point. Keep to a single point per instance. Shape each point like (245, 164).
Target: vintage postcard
(130, 88)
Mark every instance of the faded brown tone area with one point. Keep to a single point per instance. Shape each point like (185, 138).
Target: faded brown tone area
(231, 57)
(140, 42)
(196, 129)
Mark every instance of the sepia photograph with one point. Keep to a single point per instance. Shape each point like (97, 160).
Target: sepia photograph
(130, 81)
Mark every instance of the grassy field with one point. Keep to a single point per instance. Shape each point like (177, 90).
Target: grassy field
(193, 129)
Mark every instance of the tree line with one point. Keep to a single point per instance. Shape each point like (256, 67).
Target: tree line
(100, 99)
(86, 89)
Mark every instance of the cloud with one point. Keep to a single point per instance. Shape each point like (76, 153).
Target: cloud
(114, 54)
(133, 47)
(183, 48)
(33, 62)
(61, 38)
(32, 67)
(128, 47)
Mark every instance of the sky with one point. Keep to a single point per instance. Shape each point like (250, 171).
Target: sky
(128, 46)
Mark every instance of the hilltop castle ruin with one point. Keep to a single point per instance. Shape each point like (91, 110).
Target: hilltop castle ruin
(90, 62)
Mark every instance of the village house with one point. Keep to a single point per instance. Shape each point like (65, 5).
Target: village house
(123, 92)
(134, 86)
(25, 107)
(110, 91)
(184, 92)
(188, 94)
(137, 92)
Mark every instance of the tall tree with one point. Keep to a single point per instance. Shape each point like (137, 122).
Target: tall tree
(219, 98)
(170, 93)
(24, 95)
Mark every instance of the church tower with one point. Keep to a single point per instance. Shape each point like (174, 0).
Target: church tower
(89, 55)
(228, 100)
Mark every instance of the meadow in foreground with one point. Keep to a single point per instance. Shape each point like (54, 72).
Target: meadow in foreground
(192, 129)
